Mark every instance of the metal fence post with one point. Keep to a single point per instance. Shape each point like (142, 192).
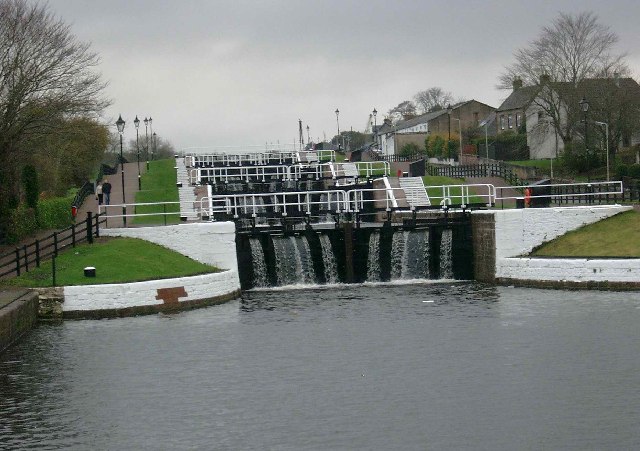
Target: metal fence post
(38, 253)
(18, 261)
(90, 227)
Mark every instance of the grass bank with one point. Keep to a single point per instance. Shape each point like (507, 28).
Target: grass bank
(158, 185)
(618, 236)
(117, 260)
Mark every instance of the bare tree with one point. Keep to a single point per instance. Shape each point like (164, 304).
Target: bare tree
(403, 111)
(572, 58)
(571, 49)
(45, 74)
(433, 99)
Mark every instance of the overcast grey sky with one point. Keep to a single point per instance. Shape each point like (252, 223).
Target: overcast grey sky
(215, 73)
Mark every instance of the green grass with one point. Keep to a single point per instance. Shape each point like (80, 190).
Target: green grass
(435, 194)
(158, 185)
(117, 260)
(618, 236)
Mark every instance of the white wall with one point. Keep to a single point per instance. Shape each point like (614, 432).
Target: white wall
(519, 231)
(207, 242)
(139, 294)
(212, 243)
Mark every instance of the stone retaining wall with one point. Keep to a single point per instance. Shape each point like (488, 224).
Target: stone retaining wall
(518, 232)
(18, 314)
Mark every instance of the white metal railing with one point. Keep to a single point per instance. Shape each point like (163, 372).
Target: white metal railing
(257, 204)
(228, 159)
(462, 195)
(558, 191)
(225, 174)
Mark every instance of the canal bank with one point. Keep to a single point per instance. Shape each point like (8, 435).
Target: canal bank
(18, 314)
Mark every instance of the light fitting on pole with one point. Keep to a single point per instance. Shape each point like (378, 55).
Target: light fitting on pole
(375, 112)
(120, 124)
(146, 122)
(136, 122)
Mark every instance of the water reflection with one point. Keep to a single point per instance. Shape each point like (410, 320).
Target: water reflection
(413, 366)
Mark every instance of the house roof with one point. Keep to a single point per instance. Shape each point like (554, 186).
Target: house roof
(422, 119)
(519, 98)
(593, 89)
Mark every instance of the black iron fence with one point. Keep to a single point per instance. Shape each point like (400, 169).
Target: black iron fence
(476, 170)
(29, 256)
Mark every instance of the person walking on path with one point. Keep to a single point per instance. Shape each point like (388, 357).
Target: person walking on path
(99, 194)
(106, 190)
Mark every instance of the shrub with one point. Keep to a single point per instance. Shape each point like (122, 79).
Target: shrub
(622, 170)
(510, 146)
(55, 213)
(30, 185)
(22, 223)
(634, 171)
(409, 149)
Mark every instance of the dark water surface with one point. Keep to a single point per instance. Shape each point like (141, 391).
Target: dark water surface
(354, 367)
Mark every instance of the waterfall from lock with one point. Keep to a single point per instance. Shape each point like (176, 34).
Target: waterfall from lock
(410, 254)
(373, 260)
(329, 260)
(293, 261)
(446, 263)
(259, 266)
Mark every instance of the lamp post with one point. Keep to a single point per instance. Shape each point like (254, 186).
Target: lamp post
(449, 127)
(146, 135)
(136, 122)
(460, 129)
(120, 124)
(153, 143)
(308, 138)
(584, 106)
(153, 151)
(375, 125)
(606, 130)
(338, 123)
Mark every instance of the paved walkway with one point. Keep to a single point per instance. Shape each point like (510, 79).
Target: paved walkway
(130, 188)
(507, 190)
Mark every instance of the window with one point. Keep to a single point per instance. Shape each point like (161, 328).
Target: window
(518, 120)
(475, 118)
(510, 121)
(502, 122)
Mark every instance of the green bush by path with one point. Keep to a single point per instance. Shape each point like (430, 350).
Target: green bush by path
(618, 236)
(117, 260)
(158, 185)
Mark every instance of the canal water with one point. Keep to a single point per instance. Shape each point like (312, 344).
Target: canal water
(375, 367)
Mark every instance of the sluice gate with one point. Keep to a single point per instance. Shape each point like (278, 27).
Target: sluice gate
(351, 253)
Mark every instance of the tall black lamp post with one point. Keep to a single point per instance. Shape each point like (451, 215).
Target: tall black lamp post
(449, 126)
(584, 106)
(120, 124)
(375, 126)
(136, 122)
(338, 123)
(153, 150)
(154, 144)
(308, 137)
(146, 135)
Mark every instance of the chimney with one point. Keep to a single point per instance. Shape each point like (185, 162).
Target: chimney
(517, 83)
(545, 78)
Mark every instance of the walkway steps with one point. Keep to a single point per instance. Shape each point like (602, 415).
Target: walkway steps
(415, 192)
(186, 192)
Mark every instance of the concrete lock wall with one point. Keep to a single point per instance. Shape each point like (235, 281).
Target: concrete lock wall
(211, 243)
(518, 232)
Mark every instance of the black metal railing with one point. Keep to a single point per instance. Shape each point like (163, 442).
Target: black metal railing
(476, 170)
(29, 256)
(85, 190)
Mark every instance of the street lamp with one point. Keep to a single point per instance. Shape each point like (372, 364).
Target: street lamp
(375, 125)
(606, 129)
(460, 129)
(338, 123)
(584, 106)
(153, 143)
(153, 151)
(146, 134)
(120, 124)
(136, 122)
(308, 138)
(449, 127)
